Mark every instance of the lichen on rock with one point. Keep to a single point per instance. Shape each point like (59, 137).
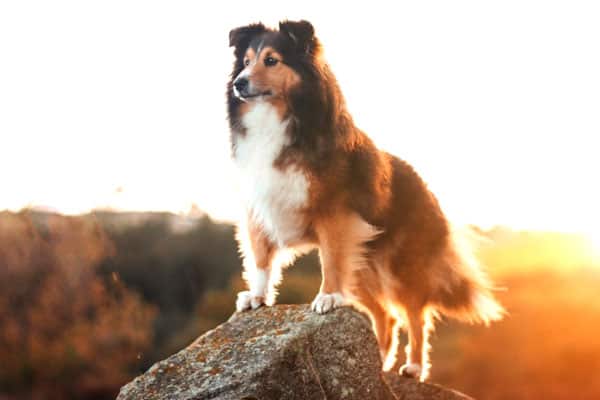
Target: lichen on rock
(280, 352)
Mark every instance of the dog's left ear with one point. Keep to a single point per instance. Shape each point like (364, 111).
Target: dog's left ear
(302, 34)
(241, 37)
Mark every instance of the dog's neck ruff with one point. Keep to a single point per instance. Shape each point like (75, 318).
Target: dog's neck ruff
(274, 196)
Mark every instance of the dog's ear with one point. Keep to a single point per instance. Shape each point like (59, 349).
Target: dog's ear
(302, 34)
(241, 37)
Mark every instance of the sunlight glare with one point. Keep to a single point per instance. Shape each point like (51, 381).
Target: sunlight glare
(594, 243)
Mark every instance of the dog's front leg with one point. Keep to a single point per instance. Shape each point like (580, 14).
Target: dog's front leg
(258, 252)
(333, 259)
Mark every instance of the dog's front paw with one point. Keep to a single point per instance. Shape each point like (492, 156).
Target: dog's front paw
(411, 371)
(325, 302)
(246, 300)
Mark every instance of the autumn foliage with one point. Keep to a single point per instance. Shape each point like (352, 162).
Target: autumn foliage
(64, 329)
(89, 302)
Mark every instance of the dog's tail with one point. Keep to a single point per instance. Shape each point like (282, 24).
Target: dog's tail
(467, 293)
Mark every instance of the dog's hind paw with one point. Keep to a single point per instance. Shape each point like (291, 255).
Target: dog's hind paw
(325, 302)
(411, 371)
(246, 300)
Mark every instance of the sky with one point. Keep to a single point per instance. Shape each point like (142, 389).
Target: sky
(120, 104)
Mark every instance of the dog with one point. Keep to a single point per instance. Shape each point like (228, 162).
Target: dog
(311, 179)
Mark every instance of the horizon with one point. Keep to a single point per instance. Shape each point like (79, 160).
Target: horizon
(122, 105)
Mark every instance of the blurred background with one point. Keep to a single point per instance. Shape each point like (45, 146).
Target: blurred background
(118, 197)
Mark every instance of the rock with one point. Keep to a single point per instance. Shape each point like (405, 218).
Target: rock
(409, 389)
(281, 352)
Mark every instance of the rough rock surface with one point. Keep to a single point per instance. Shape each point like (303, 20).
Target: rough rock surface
(281, 352)
(409, 389)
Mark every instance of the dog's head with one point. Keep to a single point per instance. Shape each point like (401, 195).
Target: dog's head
(270, 64)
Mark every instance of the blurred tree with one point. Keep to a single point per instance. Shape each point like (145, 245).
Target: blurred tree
(171, 268)
(73, 326)
(63, 326)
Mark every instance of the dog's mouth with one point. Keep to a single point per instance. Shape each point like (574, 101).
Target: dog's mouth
(254, 96)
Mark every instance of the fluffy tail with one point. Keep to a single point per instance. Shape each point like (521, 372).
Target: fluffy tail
(468, 294)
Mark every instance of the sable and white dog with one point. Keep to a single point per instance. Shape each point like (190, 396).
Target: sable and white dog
(311, 178)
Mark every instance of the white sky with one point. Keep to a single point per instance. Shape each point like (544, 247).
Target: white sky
(497, 104)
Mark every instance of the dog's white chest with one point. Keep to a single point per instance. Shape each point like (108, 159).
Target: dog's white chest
(274, 197)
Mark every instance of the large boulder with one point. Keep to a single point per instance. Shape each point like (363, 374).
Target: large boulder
(281, 352)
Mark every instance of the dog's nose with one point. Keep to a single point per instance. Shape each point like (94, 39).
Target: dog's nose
(241, 84)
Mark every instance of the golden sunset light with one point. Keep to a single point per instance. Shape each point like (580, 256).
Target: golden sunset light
(120, 199)
(594, 239)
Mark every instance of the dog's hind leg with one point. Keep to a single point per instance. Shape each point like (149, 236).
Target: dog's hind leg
(419, 324)
(387, 336)
(391, 356)
(385, 325)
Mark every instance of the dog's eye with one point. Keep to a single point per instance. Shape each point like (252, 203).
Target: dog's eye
(247, 62)
(270, 61)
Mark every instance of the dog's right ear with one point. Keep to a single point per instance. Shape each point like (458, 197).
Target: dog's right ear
(302, 34)
(240, 37)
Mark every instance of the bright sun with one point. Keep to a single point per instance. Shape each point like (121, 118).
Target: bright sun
(594, 240)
